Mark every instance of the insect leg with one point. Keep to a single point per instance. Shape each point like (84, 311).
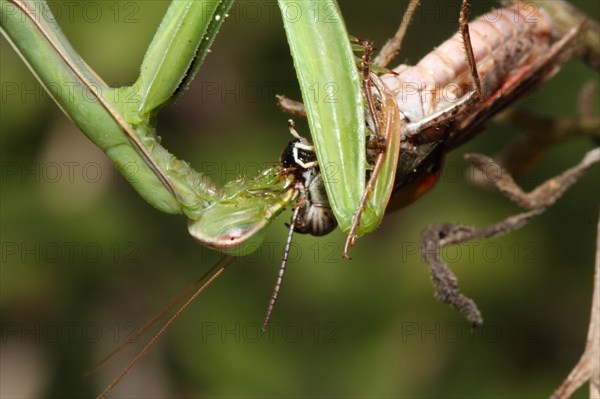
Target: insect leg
(381, 146)
(392, 46)
(414, 129)
(467, 101)
(366, 72)
(379, 143)
(541, 132)
(463, 22)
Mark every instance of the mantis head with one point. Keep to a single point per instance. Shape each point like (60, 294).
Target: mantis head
(238, 222)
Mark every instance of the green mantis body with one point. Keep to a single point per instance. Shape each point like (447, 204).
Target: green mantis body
(337, 121)
(157, 188)
(233, 218)
(125, 130)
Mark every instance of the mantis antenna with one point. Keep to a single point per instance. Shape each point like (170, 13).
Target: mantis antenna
(133, 338)
(164, 328)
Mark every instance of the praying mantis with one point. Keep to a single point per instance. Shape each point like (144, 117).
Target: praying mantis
(230, 219)
(257, 229)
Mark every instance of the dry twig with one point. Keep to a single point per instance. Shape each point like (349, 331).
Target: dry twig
(434, 237)
(588, 367)
(543, 133)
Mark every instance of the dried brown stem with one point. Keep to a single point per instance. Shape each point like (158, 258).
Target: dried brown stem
(434, 237)
(392, 46)
(542, 133)
(588, 367)
(543, 195)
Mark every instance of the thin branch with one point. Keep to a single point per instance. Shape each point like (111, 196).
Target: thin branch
(434, 237)
(543, 195)
(588, 367)
(543, 133)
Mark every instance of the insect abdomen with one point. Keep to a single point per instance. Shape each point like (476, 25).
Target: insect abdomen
(503, 40)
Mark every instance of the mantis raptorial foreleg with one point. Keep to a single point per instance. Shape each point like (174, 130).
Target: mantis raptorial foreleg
(232, 218)
(387, 147)
(227, 217)
(433, 123)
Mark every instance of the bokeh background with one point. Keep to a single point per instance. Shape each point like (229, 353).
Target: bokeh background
(85, 261)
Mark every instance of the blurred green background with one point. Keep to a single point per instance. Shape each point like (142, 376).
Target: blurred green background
(85, 260)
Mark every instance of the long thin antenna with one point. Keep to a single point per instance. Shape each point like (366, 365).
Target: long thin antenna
(284, 260)
(392, 46)
(164, 328)
(134, 337)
